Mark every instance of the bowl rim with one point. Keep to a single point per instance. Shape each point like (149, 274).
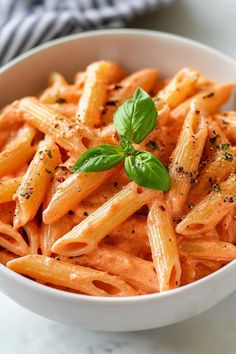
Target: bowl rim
(45, 290)
(115, 32)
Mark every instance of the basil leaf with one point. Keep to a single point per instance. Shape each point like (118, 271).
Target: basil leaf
(147, 171)
(99, 158)
(136, 118)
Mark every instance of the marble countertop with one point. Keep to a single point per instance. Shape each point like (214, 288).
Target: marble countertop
(21, 332)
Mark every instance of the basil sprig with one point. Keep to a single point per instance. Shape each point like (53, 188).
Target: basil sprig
(133, 120)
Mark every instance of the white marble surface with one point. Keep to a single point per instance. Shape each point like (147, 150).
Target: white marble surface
(21, 332)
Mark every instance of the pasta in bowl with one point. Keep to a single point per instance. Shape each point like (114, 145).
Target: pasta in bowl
(119, 184)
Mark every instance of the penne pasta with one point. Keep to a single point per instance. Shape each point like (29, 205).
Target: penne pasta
(215, 138)
(51, 232)
(163, 244)
(51, 123)
(186, 157)
(83, 279)
(211, 210)
(137, 272)
(60, 91)
(195, 269)
(6, 212)
(98, 76)
(79, 79)
(18, 151)
(131, 237)
(76, 188)
(125, 89)
(85, 237)
(226, 228)
(32, 231)
(66, 109)
(12, 240)
(227, 122)
(211, 100)
(8, 187)
(11, 115)
(35, 182)
(215, 171)
(6, 256)
(182, 86)
(55, 78)
(51, 95)
(207, 250)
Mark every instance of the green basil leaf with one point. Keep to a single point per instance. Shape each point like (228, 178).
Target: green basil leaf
(136, 118)
(147, 171)
(99, 158)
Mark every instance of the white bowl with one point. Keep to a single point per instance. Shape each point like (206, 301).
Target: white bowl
(134, 49)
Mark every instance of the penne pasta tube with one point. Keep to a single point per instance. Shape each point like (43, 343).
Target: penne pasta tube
(146, 79)
(35, 182)
(211, 210)
(6, 256)
(60, 91)
(194, 269)
(183, 85)
(71, 192)
(8, 187)
(18, 151)
(186, 157)
(66, 109)
(32, 231)
(98, 75)
(226, 228)
(11, 115)
(108, 134)
(55, 78)
(188, 273)
(12, 240)
(86, 280)
(63, 95)
(215, 138)
(163, 244)
(137, 272)
(203, 249)
(85, 237)
(205, 82)
(131, 237)
(51, 232)
(56, 81)
(215, 171)
(204, 268)
(6, 212)
(112, 185)
(227, 122)
(51, 123)
(79, 79)
(211, 100)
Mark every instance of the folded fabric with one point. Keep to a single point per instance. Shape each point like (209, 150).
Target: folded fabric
(25, 24)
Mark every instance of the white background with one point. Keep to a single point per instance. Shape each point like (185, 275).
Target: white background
(212, 22)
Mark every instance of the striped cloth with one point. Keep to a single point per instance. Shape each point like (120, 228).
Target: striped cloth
(25, 24)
